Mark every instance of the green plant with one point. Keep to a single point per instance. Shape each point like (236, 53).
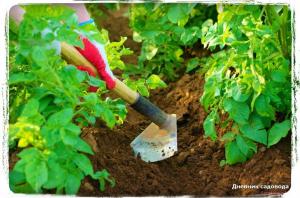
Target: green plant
(165, 33)
(49, 103)
(131, 75)
(250, 80)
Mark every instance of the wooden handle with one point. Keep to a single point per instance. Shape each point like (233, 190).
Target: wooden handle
(71, 55)
(139, 103)
(125, 92)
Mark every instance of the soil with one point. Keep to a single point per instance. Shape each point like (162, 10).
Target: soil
(194, 169)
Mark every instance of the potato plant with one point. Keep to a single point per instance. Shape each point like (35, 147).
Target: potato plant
(165, 33)
(250, 79)
(49, 102)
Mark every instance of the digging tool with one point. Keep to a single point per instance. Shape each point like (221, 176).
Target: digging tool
(159, 140)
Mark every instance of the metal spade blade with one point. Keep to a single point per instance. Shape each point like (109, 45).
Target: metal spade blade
(156, 143)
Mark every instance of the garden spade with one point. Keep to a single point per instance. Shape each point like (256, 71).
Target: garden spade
(159, 140)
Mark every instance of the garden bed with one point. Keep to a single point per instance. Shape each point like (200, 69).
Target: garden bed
(195, 169)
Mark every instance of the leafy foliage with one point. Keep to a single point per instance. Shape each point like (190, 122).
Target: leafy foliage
(131, 75)
(49, 104)
(164, 34)
(250, 79)
(143, 84)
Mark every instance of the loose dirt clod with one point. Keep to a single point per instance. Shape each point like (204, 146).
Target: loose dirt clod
(181, 159)
(88, 187)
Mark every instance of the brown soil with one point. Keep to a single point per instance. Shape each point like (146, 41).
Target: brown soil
(195, 169)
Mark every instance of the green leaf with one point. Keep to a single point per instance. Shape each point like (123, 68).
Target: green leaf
(84, 147)
(233, 154)
(39, 56)
(75, 141)
(209, 125)
(130, 83)
(238, 111)
(187, 8)
(16, 177)
(241, 46)
(263, 107)
(28, 154)
(56, 175)
(107, 115)
(258, 135)
(95, 82)
(74, 129)
(69, 36)
(175, 13)
(255, 129)
(36, 174)
(239, 92)
(20, 165)
(50, 135)
(278, 131)
(40, 92)
(103, 176)
(177, 55)
(154, 82)
(228, 137)
(44, 102)
(142, 89)
(84, 163)
(279, 76)
(222, 163)
(73, 182)
(77, 75)
(179, 11)
(91, 99)
(192, 64)
(190, 35)
(137, 37)
(256, 121)
(207, 97)
(21, 77)
(150, 51)
(247, 147)
(90, 118)
(31, 108)
(118, 107)
(22, 188)
(60, 118)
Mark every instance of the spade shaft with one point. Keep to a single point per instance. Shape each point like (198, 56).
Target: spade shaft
(159, 140)
(138, 102)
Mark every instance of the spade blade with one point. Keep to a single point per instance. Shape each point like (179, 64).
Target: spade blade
(156, 143)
